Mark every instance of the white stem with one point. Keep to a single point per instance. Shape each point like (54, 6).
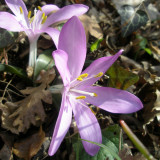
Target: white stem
(33, 53)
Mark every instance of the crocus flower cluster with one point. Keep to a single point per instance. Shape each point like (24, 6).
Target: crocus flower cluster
(34, 26)
(79, 89)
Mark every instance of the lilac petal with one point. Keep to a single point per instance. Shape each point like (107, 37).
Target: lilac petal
(54, 34)
(88, 126)
(61, 127)
(61, 58)
(49, 8)
(72, 40)
(99, 65)
(9, 22)
(114, 100)
(66, 13)
(14, 6)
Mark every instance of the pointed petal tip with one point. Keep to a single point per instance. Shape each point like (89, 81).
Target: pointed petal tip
(50, 152)
(92, 151)
(84, 8)
(120, 51)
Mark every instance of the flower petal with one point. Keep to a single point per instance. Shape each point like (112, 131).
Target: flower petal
(61, 58)
(66, 13)
(54, 34)
(9, 22)
(88, 126)
(14, 6)
(114, 100)
(99, 65)
(49, 8)
(61, 127)
(72, 40)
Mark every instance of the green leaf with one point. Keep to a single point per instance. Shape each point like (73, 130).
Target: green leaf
(95, 45)
(120, 78)
(60, 26)
(108, 150)
(131, 20)
(143, 41)
(148, 51)
(14, 70)
(44, 62)
(7, 37)
(113, 134)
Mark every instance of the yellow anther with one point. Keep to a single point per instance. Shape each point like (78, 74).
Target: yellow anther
(43, 15)
(29, 14)
(40, 8)
(81, 97)
(21, 10)
(44, 20)
(84, 75)
(99, 75)
(80, 78)
(95, 95)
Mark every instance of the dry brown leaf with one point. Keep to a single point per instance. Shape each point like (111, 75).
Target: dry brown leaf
(91, 26)
(29, 147)
(126, 154)
(152, 108)
(6, 145)
(17, 117)
(5, 153)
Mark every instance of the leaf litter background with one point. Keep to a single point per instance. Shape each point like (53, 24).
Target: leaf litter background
(28, 111)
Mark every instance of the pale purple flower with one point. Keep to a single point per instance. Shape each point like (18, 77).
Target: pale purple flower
(79, 89)
(34, 26)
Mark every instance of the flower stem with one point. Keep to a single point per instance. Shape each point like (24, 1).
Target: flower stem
(33, 53)
(136, 141)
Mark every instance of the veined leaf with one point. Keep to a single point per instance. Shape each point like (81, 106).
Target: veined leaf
(131, 20)
(108, 150)
(120, 78)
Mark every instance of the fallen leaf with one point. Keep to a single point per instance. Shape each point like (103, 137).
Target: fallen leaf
(29, 147)
(17, 117)
(91, 26)
(152, 109)
(5, 153)
(121, 78)
(125, 154)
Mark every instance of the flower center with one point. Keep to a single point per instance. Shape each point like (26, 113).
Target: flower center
(79, 81)
(34, 21)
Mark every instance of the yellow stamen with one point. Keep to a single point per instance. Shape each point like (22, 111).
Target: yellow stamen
(43, 15)
(99, 75)
(29, 14)
(95, 95)
(84, 75)
(44, 20)
(21, 10)
(80, 78)
(40, 8)
(81, 97)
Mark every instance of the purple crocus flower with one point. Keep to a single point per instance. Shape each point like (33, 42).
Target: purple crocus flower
(79, 89)
(34, 26)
